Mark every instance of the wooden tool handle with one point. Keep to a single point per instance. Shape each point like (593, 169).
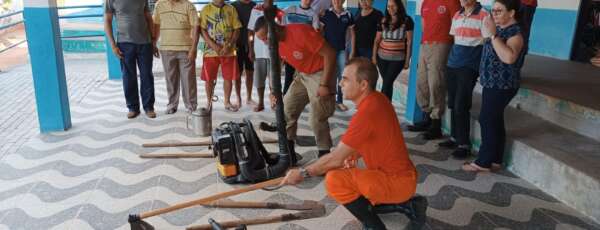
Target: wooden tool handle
(238, 204)
(180, 144)
(218, 196)
(205, 154)
(235, 223)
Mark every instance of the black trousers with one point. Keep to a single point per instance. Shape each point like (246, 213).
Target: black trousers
(460, 83)
(491, 120)
(389, 71)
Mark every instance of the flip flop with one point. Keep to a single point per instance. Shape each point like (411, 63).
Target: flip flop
(231, 108)
(472, 167)
(259, 108)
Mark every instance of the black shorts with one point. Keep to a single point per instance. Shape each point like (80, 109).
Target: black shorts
(243, 60)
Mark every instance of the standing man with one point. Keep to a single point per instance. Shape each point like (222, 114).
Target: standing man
(134, 47)
(176, 23)
(244, 9)
(306, 50)
(435, 46)
(335, 23)
(390, 179)
(220, 28)
(302, 14)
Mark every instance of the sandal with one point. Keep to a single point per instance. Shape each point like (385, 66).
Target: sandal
(472, 167)
(259, 108)
(231, 108)
(496, 167)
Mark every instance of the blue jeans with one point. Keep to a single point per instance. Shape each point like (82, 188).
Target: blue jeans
(341, 57)
(140, 56)
(491, 120)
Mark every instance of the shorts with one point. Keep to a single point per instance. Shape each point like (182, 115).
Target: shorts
(243, 60)
(210, 68)
(262, 69)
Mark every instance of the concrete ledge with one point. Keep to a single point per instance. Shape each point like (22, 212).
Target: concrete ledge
(561, 162)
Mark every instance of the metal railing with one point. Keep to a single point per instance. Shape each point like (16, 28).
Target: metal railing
(20, 12)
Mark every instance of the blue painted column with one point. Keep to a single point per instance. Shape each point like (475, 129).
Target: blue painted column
(413, 111)
(47, 64)
(113, 62)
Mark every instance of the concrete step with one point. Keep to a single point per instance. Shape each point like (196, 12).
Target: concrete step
(564, 93)
(563, 163)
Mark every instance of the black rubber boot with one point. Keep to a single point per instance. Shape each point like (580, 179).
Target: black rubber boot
(414, 209)
(461, 152)
(362, 209)
(421, 125)
(434, 131)
(294, 157)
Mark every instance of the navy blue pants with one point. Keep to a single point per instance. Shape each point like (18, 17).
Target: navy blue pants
(491, 120)
(366, 53)
(389, 71)
(460, 83)
(137, 56)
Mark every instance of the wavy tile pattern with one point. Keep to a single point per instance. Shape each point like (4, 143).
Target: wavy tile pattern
(91, 178)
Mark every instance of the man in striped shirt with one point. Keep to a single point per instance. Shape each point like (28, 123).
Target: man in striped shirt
(462, 70)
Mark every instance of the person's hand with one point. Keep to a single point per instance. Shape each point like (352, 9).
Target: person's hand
(350, 162)
(374, 60)
(117, 52)
(155, 51)
(406, 65)
(192, 55)
(224, 49)
(352, 54)
(490, 25)
(292, 177)
(216, 47)
(323, 91)
(251, 55)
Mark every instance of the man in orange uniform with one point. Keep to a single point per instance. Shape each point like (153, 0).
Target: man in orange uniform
(390, 178)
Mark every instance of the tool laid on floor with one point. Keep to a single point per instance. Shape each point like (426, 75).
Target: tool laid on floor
(208, 142)
(204, 154)
(317, 210)
(136, 220)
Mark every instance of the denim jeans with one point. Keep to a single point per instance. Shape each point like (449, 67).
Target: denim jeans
(137, 56)
(460, 83)
(341, 57)
(389, 71)
(491, 120)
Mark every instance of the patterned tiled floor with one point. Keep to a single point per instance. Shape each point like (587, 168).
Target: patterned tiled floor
(90, 177)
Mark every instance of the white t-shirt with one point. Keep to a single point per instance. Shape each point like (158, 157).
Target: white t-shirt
(261, 50)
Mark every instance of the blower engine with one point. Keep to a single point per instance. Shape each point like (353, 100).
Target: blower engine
(241, 156)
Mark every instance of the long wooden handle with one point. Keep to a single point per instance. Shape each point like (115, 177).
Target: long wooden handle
(196, 143)
(179, 144)
(205, 154)
(239, 204)
(235, 223)
(218, 196)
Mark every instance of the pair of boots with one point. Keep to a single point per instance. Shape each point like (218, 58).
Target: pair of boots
(415, 209)
(432, 128)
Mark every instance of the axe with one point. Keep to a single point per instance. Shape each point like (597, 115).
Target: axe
(136, 222)
(316, 210)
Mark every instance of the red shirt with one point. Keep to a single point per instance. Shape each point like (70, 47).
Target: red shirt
(529, 2)
(374, 131)
(437, 19)
(300, 48)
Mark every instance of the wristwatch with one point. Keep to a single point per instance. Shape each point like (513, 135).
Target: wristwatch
(304, 173)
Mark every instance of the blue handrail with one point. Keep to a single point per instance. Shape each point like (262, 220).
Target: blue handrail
(10, 14)
(81, 16)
